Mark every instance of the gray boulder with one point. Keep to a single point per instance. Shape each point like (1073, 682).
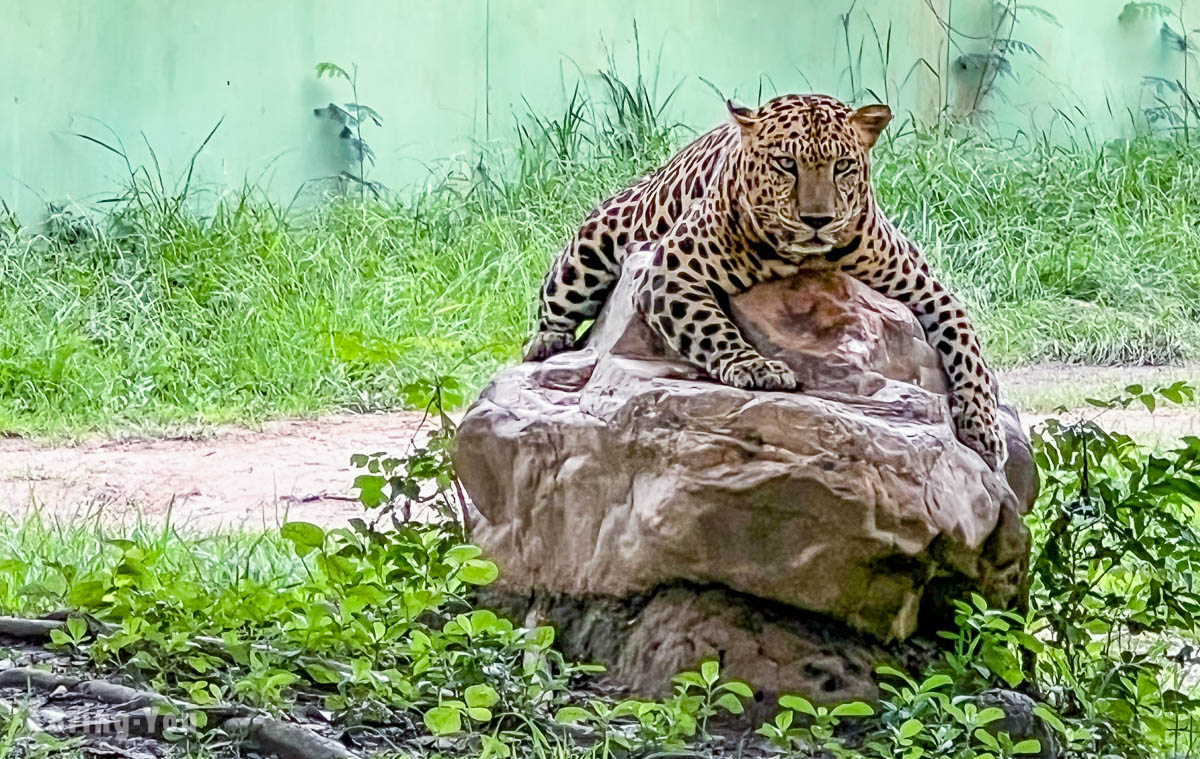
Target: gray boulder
(793, 534)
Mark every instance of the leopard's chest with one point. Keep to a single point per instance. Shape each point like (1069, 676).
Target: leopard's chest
(767, 269)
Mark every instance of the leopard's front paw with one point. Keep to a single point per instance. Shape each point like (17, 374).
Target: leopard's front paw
(547, 343)
(982, 433)
(758, 373)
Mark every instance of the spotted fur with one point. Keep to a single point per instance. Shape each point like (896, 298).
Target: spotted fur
(770, 191)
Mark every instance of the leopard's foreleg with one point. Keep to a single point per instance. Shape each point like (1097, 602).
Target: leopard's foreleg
(682, 308)
(574, 290)
(899, 271)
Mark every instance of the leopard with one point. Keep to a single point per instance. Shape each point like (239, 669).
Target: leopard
(768, 193)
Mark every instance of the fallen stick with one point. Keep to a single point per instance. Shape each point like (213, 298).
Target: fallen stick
(285, 740)
(28, 629)
(39, 679)
(272, 736)
(133, 698)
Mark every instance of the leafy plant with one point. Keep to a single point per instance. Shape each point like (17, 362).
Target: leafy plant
(1112, 581)
(20, 736)
(1175, 37)
(983, 59)
(818, 735)
(672, 723)
(986, 66)
(424, 477)
(990, 645)
(351, 116)
(703, 694)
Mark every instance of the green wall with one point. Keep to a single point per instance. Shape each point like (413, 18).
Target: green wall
(448, 76)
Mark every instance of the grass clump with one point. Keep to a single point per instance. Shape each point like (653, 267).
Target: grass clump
(1075, 253)
(156, 314)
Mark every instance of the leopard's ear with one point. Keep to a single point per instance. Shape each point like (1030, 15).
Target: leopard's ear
(869, 121)
(743, 117)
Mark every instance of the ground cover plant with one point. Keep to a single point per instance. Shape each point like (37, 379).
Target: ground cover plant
(173, 303)
(367, 634)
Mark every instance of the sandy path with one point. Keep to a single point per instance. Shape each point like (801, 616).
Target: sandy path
(300, 469)
(1037, 389)
(230, 476)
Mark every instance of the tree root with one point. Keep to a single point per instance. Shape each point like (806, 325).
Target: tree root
(151, 713)
(28, 629)
(270, 735)
(284, 740)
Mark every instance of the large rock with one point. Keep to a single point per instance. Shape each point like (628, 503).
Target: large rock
(659, 517)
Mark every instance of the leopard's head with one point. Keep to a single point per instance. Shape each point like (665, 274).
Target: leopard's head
(803, 176)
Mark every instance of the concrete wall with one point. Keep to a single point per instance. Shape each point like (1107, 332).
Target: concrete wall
(1095, 59)
(448, 75)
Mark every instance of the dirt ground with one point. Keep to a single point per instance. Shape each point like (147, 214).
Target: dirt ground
(294, 469)
(228, 477)
(1037, 390)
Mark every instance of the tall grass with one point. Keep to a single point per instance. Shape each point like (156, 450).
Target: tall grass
(156, 314)
(41, 555)
(1067, 253)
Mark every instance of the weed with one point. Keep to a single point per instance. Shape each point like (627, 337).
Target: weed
(351, 116)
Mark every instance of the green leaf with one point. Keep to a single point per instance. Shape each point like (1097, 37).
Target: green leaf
(910, 728)
(478, 572)
(322, 674)
(330, 69)
(1003, 664)
(479, 714)
(370, 489)
(77, 628)
(730, 703)
(1031, 746)
(459, 555)
(305, 536)
(53, 584)
(710, 670)
(87, 594)
(493, 746)
(853, 709)
(689, 679)
(987, 739)
(798, 704)
(989, 715)
(481, 695)
(543, 637)
(569, 715)
(685, 724)
(1050, 717)
(443, 720)
(740, 688)
(892, 672)
(485, 620)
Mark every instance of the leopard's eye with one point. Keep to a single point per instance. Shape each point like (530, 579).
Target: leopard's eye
(843, 165)
(786, 164)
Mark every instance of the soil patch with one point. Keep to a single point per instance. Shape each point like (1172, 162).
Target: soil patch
(229, 477)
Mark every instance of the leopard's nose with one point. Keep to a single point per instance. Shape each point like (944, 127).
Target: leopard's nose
(816, 222)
